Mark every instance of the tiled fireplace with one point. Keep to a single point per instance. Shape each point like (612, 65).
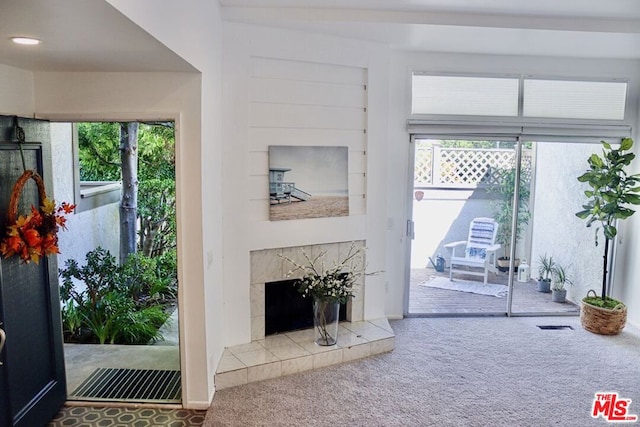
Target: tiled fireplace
(293, 352)
(268, 266)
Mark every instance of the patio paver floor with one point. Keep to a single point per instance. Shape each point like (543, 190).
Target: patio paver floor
(526, 299)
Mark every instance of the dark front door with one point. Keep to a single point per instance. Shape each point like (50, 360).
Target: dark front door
(32, 377)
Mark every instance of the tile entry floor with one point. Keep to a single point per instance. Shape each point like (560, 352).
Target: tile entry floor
(85, 416)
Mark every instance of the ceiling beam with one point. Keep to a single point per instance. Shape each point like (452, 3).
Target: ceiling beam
(486, 20)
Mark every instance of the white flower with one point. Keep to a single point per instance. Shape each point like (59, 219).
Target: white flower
(336, 283)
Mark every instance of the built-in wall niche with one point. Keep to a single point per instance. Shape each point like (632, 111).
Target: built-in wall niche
(287, 310)
(308, 182)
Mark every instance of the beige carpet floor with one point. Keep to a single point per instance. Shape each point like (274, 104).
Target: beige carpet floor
(452, 372)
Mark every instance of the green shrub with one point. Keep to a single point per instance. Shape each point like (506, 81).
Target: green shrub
(157, 215)
(107, 303)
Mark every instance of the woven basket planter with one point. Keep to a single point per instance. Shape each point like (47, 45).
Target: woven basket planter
(603, 321)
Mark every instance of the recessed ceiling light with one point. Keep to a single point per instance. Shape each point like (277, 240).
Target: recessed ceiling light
(25, 40)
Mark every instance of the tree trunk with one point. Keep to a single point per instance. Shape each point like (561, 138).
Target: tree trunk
(605, 264)
(129, 202)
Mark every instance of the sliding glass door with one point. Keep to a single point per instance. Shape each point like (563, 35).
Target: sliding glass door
(456, 203)
(553, 242)
(486, 215)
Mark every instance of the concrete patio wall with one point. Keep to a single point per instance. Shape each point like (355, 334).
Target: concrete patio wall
(443, 216)
(85, 230)
(556, 230)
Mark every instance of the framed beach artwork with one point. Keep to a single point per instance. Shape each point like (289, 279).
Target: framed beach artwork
(308, 182)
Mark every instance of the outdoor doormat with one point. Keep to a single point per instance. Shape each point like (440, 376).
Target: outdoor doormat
(139, 385)
(479, 288)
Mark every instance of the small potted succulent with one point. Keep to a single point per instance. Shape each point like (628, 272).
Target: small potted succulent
(545, 270)
(560, 281)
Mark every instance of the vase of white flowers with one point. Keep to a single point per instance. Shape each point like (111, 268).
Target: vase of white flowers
(329, 287)
(326, 314)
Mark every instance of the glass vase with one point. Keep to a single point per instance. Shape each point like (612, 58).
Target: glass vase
(325, 321)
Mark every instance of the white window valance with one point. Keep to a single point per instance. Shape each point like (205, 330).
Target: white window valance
(527, 131)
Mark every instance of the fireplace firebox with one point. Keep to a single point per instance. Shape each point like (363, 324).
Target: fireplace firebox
(287, 310)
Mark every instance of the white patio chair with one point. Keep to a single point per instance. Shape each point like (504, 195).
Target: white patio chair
(479, 250)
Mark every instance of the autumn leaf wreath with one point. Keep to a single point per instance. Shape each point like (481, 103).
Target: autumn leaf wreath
(34, 235)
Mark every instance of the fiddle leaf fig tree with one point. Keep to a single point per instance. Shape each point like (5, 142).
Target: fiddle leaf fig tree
(611, 193)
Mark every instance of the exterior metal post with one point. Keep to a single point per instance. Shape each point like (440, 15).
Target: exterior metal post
(514, 224)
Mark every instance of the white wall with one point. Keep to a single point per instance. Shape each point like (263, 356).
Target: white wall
(558, 196)
(399, 110)
(85, 230)
(626, 287)
(193, 30)
(246, 224)
(16, 87)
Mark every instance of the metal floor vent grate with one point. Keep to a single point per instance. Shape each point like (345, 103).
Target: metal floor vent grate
(139, 385)
(554, 327)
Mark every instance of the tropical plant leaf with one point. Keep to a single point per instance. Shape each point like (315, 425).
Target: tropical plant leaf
(583, 214)
(610, 231)
(626, 144)
(632, 199)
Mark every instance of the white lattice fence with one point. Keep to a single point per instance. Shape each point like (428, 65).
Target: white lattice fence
(464, 167)
(423, 174)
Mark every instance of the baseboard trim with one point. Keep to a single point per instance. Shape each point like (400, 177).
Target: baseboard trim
(197, 405)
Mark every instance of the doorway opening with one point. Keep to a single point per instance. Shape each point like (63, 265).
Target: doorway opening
(118, 262)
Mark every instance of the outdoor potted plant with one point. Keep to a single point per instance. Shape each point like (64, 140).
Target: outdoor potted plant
(503, 206)
(611, 191)
(545, 269)
(560, 281)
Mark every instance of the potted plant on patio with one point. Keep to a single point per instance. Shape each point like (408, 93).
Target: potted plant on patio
(505, 189)
(560, 281)
(546, 267)
(611, 193)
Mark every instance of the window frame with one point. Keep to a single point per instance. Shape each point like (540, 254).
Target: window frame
(520, 119)
(90, 195)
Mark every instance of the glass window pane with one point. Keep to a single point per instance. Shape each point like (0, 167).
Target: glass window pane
(554, 182)
(479, 96)
(574, 99)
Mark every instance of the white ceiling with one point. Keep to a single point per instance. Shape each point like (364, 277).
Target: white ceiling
(571, 8)
(79, 35)
(567, 28)
(91, 35)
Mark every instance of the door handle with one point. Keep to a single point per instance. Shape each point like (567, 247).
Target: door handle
(411, 229)
(3, 338)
